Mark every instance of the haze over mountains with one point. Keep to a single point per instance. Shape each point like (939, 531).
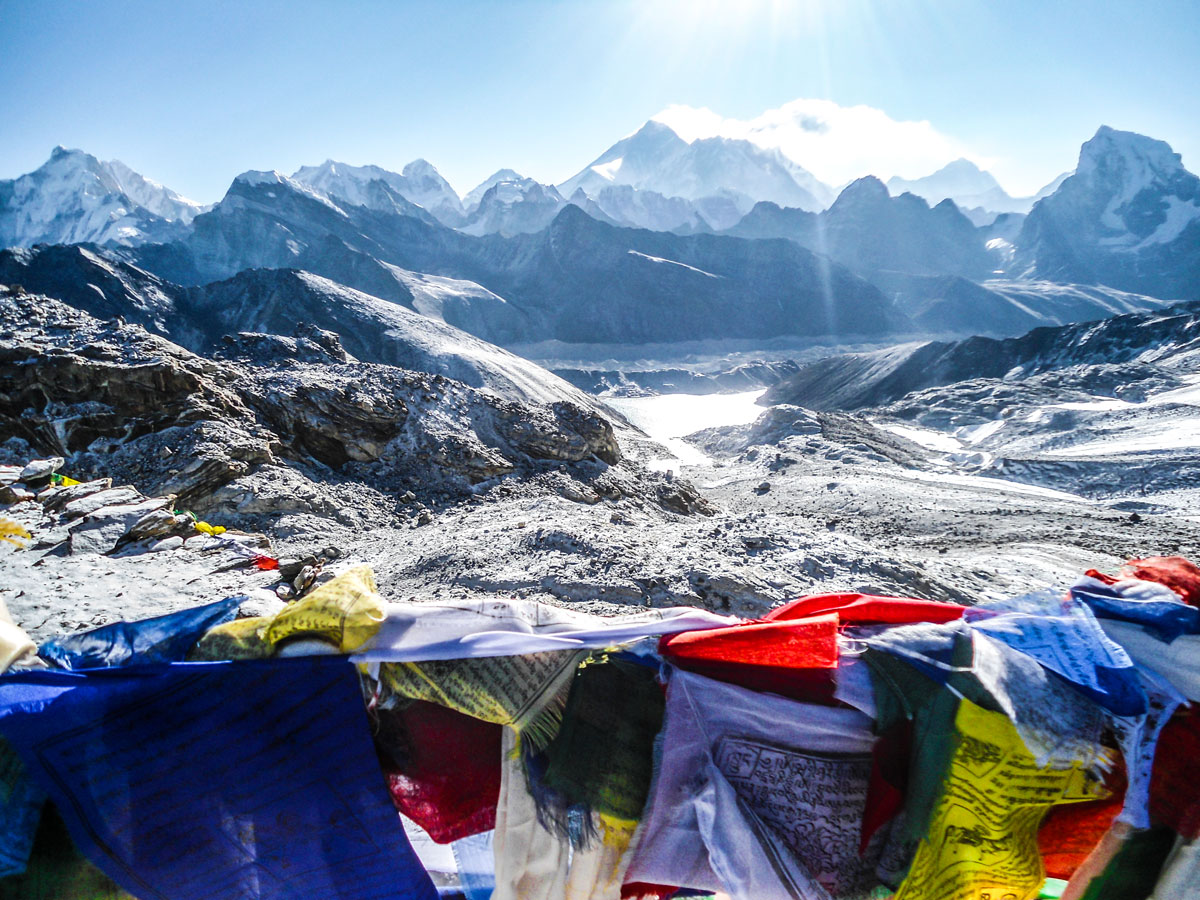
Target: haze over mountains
(323, 353)
(659, 240)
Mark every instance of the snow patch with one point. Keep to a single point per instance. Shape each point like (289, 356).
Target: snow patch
(926, 437)
(973, 434)
(667, 418)
(608, 171)
(659, 259)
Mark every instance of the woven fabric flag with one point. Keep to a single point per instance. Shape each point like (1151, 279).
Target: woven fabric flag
(1069, 834)
(867, 609)
(531, 860)
(20, 808)
(527, 693)
(443, 768)
(1124, 866)
(794, 658)
(1175, 779)
(1069, 641)
(1180, 873)
(193, 781)
(457, 629)
(602, 758)
(1146, 603)
(342, 614)
(345, 611)
(1177, 661)
(983, 835)
(753, 777)
(161, 639)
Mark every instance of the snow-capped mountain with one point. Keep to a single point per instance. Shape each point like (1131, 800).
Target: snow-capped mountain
(472, 198)
(657, 159)
(971, 188)
(420, 183)
(429, 190)
(966, 184)
(75, 198)
(1129, 217)
(625, 205)
(511, 204)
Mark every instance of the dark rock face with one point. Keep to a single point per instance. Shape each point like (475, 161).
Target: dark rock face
(118, 402)
(853, 381)
(566, 433)
(593, 283)
(872, 233)
(869, 231)
(1129, 217)
(111, 397)
(271, 302)
(97, 282)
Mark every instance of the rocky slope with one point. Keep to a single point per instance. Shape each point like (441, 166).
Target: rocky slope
(883, 376)
(278, 424)
(275, 300)
(951, 304)
(1109, 411)
(451, 492)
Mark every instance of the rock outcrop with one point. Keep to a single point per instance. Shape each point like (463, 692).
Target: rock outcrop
(282, 424)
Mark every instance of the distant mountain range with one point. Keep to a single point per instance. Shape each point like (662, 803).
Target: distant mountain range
(657, 240)
(651, 179)
(972, 189)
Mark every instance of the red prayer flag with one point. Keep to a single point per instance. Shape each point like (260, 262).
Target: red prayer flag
(867, 609)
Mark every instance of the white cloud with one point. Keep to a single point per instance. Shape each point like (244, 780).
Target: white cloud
(835, 143)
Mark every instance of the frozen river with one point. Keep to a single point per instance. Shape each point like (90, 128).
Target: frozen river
(668, 417)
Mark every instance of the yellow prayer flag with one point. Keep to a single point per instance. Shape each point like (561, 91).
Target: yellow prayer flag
(982, 841)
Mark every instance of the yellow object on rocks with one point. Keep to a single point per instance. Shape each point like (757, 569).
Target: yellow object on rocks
(10, 530)
(239, 639)
(346, 612)
(205, 528)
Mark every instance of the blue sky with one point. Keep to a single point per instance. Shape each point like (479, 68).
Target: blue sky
(192, 93)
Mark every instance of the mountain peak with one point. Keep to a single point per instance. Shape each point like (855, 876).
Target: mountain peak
(961, 181)
(475, 195)
(419, 167)
(867, 189)
(728, 174)
(962, 164)
(655, 127)
(1129, 152)
(260, 176)
(74, 197)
